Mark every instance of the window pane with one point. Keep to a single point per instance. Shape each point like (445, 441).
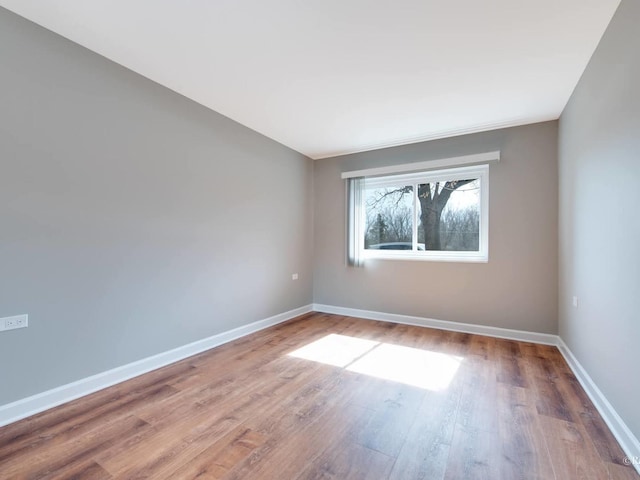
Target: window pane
(389, 218)
(449, 215)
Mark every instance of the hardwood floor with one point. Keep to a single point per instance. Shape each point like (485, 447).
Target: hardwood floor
(449, 406)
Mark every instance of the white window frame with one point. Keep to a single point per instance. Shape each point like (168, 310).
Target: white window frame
(478, 171)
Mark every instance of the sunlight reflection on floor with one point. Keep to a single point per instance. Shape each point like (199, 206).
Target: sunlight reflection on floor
(411, 366)
(336, 350)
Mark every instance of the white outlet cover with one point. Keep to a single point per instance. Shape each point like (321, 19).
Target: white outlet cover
(12, 323)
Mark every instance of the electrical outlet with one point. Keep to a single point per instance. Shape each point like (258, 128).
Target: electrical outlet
(575, 302)
(11, 323)
(294, 276)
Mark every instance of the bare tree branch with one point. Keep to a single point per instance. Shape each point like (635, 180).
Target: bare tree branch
(398, 191)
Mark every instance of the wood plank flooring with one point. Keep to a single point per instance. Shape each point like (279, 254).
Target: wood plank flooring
(265, 407)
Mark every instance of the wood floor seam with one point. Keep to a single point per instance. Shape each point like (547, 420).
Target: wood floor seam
(328, 396)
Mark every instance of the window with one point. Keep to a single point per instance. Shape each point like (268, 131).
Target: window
(435, 215)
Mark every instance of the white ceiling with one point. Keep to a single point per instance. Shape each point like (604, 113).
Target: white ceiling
(327, 77)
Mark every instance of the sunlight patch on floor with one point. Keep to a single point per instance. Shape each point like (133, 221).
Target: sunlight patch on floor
(411, 366)
(336, 350)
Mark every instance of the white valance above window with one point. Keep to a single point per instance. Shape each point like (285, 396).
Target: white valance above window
(476, 158)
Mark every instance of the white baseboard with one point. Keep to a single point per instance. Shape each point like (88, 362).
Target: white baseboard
(26, 407)
(533, 337)
(627, 440)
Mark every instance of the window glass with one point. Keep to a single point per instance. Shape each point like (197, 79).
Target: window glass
(389, 218)
(433, 215)
(449, 215)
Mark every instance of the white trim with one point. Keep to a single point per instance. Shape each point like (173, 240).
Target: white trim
(421, 256)
(533, 337)
(426, 165)
(26, 407)
(627, 440)
(481, 172)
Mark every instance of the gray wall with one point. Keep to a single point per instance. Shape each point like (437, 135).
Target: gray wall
(132, 220)
(517, 288)
(599, 161)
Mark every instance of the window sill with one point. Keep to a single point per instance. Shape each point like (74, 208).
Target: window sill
(434, 257)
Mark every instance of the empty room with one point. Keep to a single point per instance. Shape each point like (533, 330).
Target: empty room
(319, 240)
